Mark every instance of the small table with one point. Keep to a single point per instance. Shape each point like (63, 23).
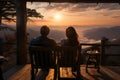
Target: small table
(2, 59)
(93, 57)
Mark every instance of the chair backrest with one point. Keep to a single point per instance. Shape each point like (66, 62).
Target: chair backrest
(68, 56)
(42, 57)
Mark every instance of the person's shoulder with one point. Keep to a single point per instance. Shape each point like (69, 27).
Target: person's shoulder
(52, 41)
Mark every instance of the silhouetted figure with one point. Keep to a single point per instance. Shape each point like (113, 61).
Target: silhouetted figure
(44, 41)
(72, 37)
(72, 40)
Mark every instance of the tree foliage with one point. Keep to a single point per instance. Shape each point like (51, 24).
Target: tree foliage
(8, 11)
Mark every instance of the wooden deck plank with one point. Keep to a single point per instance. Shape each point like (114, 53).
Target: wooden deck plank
(106, 73)
(111, 73)
(22, 74)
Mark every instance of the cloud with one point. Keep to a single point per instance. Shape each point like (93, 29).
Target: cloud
(79, 11)
(69, 7)
(75, 7)
(82, 6)
(98, 33)
(112, 6)
(117, 16)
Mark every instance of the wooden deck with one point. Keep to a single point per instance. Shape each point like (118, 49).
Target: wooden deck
(106, 73)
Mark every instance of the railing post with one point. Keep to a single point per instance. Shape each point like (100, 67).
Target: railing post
(102, 58)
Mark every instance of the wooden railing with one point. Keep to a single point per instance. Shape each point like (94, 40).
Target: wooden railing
(102, 47)
(103, 51)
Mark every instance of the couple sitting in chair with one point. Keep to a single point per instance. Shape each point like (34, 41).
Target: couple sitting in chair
(43, 40)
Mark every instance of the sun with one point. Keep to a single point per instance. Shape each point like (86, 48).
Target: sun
(57, 16)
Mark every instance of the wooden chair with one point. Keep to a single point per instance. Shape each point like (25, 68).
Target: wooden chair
(69, 57)
(42, 57)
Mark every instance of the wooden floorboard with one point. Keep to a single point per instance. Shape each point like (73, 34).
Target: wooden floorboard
(106, 73)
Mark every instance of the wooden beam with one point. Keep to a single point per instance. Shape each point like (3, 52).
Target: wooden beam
(77, 1)
(21, 32)
(73, 1)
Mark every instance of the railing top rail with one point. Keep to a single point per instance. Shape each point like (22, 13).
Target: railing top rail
(99, 44)
(86, 44)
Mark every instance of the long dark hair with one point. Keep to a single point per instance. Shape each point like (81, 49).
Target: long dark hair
(72, 35)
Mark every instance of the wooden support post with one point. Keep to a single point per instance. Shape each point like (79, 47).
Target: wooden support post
(21, 32)
(102, 58)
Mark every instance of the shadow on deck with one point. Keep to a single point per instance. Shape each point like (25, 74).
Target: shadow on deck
(106, 73)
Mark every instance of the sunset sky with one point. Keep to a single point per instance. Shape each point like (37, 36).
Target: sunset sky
(100, 19)
(87, 14)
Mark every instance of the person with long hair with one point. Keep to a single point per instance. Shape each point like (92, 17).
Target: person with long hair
(72, 37)
(72, 40)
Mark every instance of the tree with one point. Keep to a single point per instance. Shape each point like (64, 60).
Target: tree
(8, 11)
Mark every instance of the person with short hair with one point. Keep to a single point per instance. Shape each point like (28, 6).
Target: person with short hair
(43, 40)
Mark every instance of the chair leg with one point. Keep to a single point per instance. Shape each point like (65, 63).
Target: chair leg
(55, 73)
(1, 75)
(87, 62)
(86, 67)
(98, 59)
(58, 73)
(79, 76)
(32, 75)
